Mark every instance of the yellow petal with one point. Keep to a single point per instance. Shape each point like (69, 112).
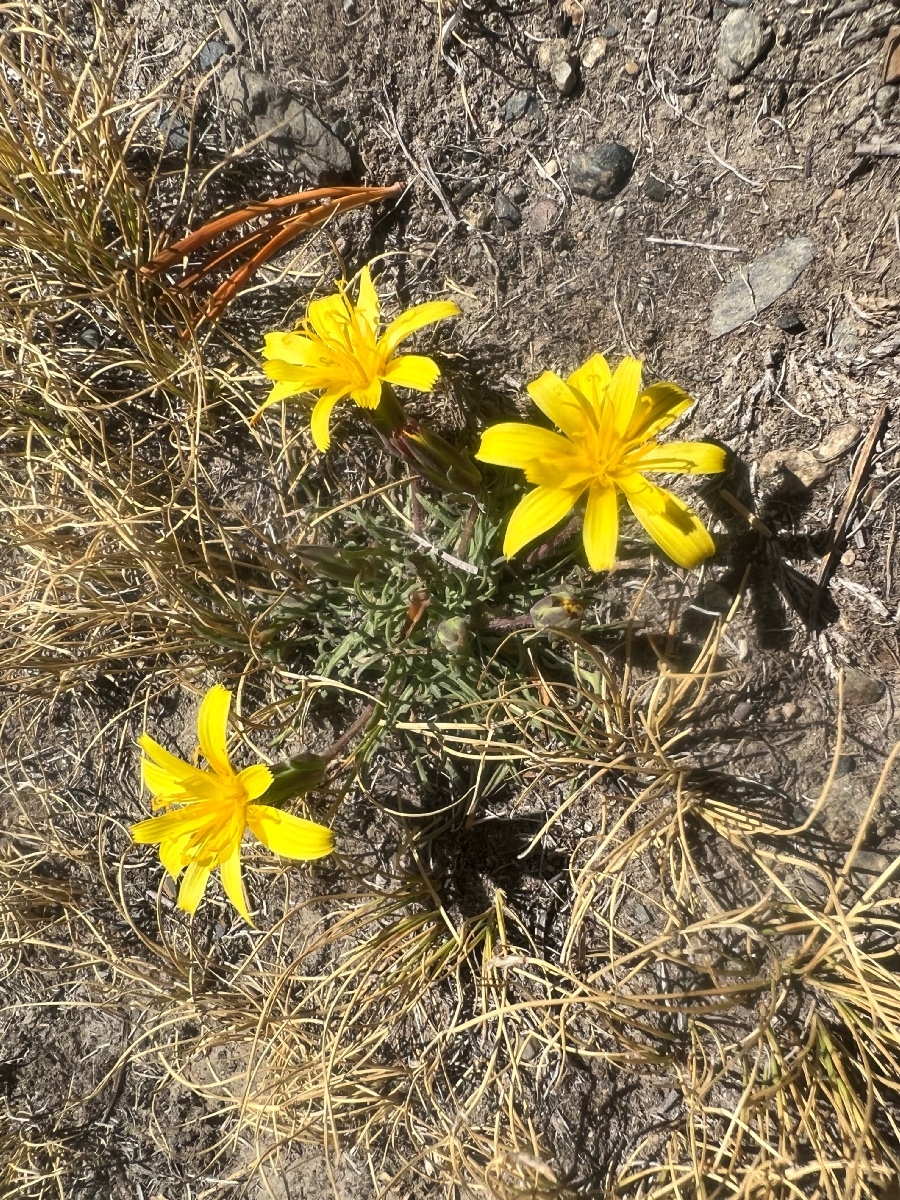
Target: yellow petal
(305, 378)
(329, 316)
(557, 401)
(256, 780)
(212, 729)
(415, 318)
(320, 421)
(192, 887)
(668, 520)
(622, 392)
(230, 871)
(288, 835)
(601, 527)
(171, 855)
(592, 380)
(656, 408)
(683, 458)
(369, 395)
(179, 824)
(294, 348)
(279, 392)
(368, 305)
(535, 513)
(412, 371)
(515, 444)
(167, 776)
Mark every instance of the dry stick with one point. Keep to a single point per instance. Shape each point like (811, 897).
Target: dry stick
(750, 517)
(878, 149)
(856, 482)
(345, 739)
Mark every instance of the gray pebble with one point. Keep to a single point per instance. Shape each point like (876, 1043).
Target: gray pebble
(886, 98)
(517, 106)
(743, 42)
(656, 189)
(565, 77)
(508, 216)
(601, 171)
(860, 688)
(759, 284)
(210, 54)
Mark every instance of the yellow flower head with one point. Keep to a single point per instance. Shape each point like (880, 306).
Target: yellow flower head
(608, 443)
(218, 807)
(338, 352)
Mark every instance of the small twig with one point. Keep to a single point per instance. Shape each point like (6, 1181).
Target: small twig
(751, 517)
(346, 738)
(856, 481)
(878, 149)
(696, 245)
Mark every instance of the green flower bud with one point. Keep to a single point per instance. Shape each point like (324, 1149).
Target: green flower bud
(344, 566)
(454, 635)
(443, 465)
(559, 610)
(295, 777)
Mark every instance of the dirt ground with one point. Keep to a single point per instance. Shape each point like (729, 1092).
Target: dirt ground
(804, 395)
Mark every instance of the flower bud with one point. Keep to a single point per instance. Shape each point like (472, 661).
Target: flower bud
(431, 455)
(344, 566)
(454, 635)
(295, 777)
(559, 610)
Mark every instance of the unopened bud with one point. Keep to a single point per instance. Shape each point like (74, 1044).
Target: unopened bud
(443, 465)
(295, 777)
(559, 610)
(344, 566)
(454, 635)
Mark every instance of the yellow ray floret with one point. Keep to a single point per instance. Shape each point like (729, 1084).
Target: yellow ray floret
(218, 807)
(338, 352)
(607, 445)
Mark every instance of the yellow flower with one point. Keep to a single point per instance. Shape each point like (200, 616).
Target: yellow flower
(608, 442)
(219, 806)
(338, 352)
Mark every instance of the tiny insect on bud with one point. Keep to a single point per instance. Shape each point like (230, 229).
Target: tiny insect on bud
(559, 610)
(454, 635)
(447, 468)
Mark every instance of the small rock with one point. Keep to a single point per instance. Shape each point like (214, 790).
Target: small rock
(759, 284)
(618, 212)
(293, 134)
(838, 441)
(845, 340)
(652, 19)
(737, 3)
(736, 92)
(790, 711)
(861, 689)
(799, 469)
(174, 129)
(886, 98)
(743, 42)
(790, 321)
(508, 216)
(656, 189)
(478, 215)
(554, 50)
(574, 10)
(565, 78)
(594, 52)
(631, 67)
(551, 168)
(609, 32)
(517, 106)
(540, 217)
(848, 558)
(602, 171)
(742, 711)
(210, 54)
